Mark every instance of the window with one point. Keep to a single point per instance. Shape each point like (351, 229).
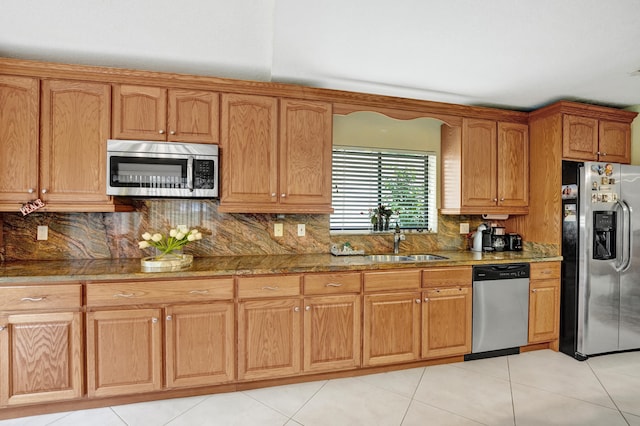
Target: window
(402, 181)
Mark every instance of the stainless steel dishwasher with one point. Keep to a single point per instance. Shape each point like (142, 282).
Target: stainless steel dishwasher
(500, 309)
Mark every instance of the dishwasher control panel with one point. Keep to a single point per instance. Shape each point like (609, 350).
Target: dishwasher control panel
(507, 271)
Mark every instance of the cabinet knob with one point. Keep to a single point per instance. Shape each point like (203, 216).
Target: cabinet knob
(45, 190)
(273, 194)
(426, 299)
(296, 309)
(533, 291)
(154, 320)
(418, 300)
(169, 318)
(161, 132)
(307, 308)
(283, 195)
(173, 132)
(31, 190)
(3, 327)
(495, 200)
(502, 199)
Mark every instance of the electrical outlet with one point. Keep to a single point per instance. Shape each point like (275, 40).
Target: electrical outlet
(278, 230)
(464, 228)
(43, 233)
(301, 230)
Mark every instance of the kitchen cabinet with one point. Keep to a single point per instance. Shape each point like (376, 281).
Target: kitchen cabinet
(41, 344)
(490, 168)
(391, 326)
(590, 139)
(332, 322)
(19, 138)
(65, 168)
(191, 322)
(161, 114)
(544, 302)
(271, 165)
(269, 327)
(446, 312)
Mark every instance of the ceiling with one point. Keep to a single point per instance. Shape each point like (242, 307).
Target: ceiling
(517, 54)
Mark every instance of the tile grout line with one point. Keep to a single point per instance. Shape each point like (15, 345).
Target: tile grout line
(607, 391)
(411, 399)
(513, 403)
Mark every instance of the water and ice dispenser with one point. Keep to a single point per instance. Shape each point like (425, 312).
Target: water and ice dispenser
(604, 235)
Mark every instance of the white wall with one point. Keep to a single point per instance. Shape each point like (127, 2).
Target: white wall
(214, 37)
(635, 136)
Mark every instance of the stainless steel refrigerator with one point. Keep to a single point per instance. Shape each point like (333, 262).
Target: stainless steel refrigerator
(600, 296)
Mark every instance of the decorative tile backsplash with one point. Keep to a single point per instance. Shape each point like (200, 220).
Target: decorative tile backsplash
(116, 235)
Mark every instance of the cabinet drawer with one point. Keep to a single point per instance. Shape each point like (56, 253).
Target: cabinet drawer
(445, 277)
(392, 280)
(433, 293)
(332, 283)
(145, 292)
(38, 297)
(268, 286)
(545, 270)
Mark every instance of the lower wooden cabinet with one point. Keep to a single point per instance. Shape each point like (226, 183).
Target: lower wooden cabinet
(391, 328)
(124, 352)
(269, 338)
(332, 333)
(544, 302)
(446, 322)
(41, 356)
(200, 344)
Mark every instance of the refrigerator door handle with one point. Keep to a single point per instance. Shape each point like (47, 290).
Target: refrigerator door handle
(626, 237)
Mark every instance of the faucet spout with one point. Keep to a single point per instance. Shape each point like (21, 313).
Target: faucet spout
(397, 237)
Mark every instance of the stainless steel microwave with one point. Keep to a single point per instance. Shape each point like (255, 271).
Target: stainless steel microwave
(162, 169)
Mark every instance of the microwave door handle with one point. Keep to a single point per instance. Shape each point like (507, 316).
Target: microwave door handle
(190, 162)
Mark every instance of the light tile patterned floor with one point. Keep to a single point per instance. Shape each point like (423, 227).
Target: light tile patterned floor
(535, 388)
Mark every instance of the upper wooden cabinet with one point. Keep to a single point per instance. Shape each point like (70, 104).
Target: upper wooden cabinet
(159, 114)
(485, 168)
(19, 130)
(65, 168)
(590, 139)
(271, 166)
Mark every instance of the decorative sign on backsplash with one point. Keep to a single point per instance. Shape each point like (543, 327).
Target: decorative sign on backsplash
(31, 206)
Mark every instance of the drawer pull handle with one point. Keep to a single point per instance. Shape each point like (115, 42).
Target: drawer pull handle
(124, 295)
(199, 292)
(333, 285)
(33, 299)
(271, 288)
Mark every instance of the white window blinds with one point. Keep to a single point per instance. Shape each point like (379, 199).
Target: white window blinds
(401, 181)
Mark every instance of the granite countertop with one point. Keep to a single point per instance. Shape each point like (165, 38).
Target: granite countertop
(38, 272)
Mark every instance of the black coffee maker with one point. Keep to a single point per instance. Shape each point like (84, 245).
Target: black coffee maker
(514, 242)
(493, 242)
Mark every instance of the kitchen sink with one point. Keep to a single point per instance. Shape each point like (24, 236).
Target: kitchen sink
(383, 258)
(424, 257)
(389, 258)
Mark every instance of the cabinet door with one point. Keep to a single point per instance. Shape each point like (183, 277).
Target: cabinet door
(249, 148)
(446, 322)
(139, 112)
(579, 138)
(544, 310)
(200, 344)
(124, 352)
(269, 338)
(19, 130)
(42, 357)
(479, 163)
(194, 116)
(615, 142)
(75, 129)
(305, 153)
(391, 328)
(331, 333)
(513, 165)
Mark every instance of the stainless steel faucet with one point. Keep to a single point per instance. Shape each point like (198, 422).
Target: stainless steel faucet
(397, 237)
